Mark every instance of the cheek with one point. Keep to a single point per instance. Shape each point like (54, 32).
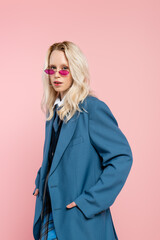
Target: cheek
(69, 81)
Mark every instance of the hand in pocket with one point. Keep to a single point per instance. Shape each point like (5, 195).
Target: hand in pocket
(36, 192)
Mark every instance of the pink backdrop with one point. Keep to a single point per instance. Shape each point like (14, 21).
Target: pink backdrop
(121, 40)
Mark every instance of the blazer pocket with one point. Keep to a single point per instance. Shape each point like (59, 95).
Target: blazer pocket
(76, 140)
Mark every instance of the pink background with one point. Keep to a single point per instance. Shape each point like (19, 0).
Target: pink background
(121, 40)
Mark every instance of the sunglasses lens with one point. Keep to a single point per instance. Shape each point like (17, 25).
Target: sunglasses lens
(49, 71)
(63, 72)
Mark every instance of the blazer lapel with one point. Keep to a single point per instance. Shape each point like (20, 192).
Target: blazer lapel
(65, 136)
(66, 133)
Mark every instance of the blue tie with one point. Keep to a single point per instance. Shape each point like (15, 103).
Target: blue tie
(56, 120)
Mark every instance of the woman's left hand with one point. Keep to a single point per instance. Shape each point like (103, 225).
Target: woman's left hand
(72, 204)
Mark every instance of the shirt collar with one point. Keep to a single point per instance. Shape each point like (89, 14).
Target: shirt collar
(58, 101)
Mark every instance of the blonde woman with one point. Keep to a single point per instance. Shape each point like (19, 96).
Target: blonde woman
(86, 157)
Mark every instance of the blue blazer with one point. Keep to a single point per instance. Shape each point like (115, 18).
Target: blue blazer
(90, 166)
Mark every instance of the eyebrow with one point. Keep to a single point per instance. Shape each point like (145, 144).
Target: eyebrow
(53, 65)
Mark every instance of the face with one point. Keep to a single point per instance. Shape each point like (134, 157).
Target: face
(57, 62)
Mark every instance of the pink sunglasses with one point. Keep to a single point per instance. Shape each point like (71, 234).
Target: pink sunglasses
(51, 72)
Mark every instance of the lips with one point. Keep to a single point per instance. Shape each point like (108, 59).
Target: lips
(57, 82)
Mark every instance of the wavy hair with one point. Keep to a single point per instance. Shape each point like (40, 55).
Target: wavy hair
(78, 91)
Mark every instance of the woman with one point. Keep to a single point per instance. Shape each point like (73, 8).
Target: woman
(86, 157)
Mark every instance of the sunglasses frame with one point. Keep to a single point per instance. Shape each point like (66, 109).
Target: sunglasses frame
(56, 71)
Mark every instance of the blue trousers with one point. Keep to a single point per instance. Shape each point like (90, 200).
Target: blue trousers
(51, 235)
(47, 228)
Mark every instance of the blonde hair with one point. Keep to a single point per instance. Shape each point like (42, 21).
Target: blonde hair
(78, 91)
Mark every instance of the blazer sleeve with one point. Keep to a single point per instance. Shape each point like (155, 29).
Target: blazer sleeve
(115, 152)
(38, 173)
(37, 180)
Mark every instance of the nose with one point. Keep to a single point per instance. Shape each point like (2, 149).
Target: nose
(57, 74)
